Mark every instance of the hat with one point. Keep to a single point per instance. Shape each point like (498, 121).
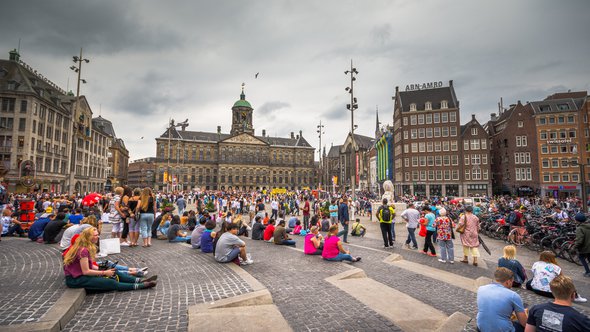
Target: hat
(580, 217)
(49, 209)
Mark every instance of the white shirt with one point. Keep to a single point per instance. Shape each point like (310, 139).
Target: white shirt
(543, 273)
(274, 205)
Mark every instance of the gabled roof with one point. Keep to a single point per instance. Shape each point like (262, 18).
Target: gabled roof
(334, 151)
(557, 105)
(364, 141)
(435, 96)
(569, 94)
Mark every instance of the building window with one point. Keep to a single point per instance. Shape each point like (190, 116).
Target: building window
(467, 174)
(437, 146)
(453, 131)
(436, 131)
(555, 177)
(454, 146)
(428, 106)
(436, 117)
(429, 132)
(520, 124)
(414, 147)
(428, 118)
(444, 104)
(445, 131)
(543, 135)
(421, 119)
(452, 117)
(467, 159)
(405, 120)
(466, 145)
(474, 144)
(413, 120)
(421, 133)
(473, 131)
(412, 107)
(545, 163)
(542, 121)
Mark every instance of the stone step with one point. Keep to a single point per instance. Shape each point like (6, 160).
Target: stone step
(401, 309)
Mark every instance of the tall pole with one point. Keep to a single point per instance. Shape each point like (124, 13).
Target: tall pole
(583, 187)
(352, 106)
(78, 70)
(320, 131)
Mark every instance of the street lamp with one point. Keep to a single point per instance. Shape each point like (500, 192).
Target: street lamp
(351, 107)
(183, 124)
(320, 132)
(77, 69)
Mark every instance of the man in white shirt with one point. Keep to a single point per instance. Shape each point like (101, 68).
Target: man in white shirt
(274, 205)
(411, 216)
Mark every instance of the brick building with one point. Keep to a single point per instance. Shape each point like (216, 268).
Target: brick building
(514, 162)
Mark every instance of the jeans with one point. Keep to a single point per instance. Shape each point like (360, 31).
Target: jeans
(14, 229)
(340, 257)
(180, 239)
(274, 214)
(145, 224)
(344, 232)
(96, 283)
(585, 258)
(288, 243)
(412, 237)
(428, 243)
(447, 250)
(393, 231)
(306, 221)
(386, 233)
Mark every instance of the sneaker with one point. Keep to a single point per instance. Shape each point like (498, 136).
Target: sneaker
(431, 254)
(414, 248)
(452, 262)
(356, 259)
(385, 247)
(442, 260)
(407, 246)
(423, 252)
(580, 299)
(141, 274)
(101, 255)
(124, 244)
(152, 278)
(248, 262)
(149, 284)
(587, 274)
(143, 269)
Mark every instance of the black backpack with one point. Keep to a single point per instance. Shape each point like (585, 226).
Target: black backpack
(512, 218)
(385, 213)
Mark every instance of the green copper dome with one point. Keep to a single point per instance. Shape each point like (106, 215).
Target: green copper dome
(242, 102)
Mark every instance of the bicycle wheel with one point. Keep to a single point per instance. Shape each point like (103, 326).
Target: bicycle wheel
(546, 242)
(557, 246)
(572, 252)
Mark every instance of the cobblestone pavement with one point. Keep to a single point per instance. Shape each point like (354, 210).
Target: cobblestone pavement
(306, 300)
(31, 280)
(185, 277)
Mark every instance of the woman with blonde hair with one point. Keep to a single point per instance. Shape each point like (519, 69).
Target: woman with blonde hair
(544, 271)
(147, 210)
(508, 260)
(81, 272)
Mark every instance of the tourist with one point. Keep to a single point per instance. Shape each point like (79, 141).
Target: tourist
(208, 236)
(10, 224)
(297, 229)
(87, 222)
(344, 219)
(280, 235)
(164, 225)
(76, 217)
(36, 230)
(312, 244)
(558, 315)
(197, 233)
(583, 241)
(147, 210)
(134, 215)
(175, 233)
(544, 271)
(411, 216)
(82, 273)
(270, 230)
(509, 261)
(385, 215)
(306, 213)
(126, 216)
(181, 204)
(222, 229)
(470, 235)
(115, 213)
(496, 303)
(257, 229)
(358, 229)
(55, 228)
(333, 250)
(230, 247)
(333, 209)
(430, 230)
(445, 236)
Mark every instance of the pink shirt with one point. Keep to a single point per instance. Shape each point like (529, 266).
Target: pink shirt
(331, 247)
(308, 247)
(74, 270)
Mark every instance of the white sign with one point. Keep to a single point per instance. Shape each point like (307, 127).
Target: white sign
(559, 141)
(424, 86)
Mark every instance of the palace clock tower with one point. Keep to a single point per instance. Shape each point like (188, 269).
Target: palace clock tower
(242, 116)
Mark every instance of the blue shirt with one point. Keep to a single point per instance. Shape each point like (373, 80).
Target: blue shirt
(37, 228)
(343, 213)
(495, 304)
(76, 218)
(335, 213)
(431, 226)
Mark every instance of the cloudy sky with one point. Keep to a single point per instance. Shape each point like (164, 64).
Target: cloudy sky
(155, 60)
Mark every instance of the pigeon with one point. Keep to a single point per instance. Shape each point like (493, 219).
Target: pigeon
(141, 137)
(256, 76)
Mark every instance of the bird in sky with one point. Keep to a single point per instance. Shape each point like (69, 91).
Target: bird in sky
(141, 137)
(256, 76)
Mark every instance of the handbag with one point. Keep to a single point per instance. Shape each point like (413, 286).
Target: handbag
(461, 228)
(451, 228)
(423, 231)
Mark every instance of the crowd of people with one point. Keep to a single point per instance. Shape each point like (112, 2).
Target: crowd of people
(219, 222)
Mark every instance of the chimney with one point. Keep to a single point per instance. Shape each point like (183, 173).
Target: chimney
(472, 117)
(396, 89)
(219, 129)
(292, 135)
(300, 134)
(13, 55)
(494, 116)
(263, 132)
(450, 82)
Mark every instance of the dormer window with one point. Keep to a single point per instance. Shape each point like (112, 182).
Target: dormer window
(444, 104)
(428, 106)
(412, 107)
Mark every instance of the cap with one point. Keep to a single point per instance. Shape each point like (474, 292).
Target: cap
(49, 209)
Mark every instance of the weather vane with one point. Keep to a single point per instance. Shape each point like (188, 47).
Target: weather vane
(243, 85)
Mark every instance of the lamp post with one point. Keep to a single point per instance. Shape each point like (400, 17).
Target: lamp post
(351, 107)
(172, 125)
(320, 131)
(584, 196)
(77, 69)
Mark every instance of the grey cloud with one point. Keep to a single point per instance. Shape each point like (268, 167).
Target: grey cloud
(336, 112)
(271, 107)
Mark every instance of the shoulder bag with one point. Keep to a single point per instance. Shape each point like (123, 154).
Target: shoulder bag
(462, 224)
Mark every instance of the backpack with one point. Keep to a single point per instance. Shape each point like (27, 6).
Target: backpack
(512, 218)
(385, 213)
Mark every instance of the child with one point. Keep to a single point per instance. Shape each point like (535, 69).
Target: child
(207, 237)
(297, 228)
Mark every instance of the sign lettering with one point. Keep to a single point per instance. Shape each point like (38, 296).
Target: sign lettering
(424, 86)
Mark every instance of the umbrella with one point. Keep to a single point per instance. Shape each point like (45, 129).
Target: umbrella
(91, 199)
(483, 244)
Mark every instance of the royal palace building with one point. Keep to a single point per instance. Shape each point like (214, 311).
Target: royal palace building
(240, 160)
